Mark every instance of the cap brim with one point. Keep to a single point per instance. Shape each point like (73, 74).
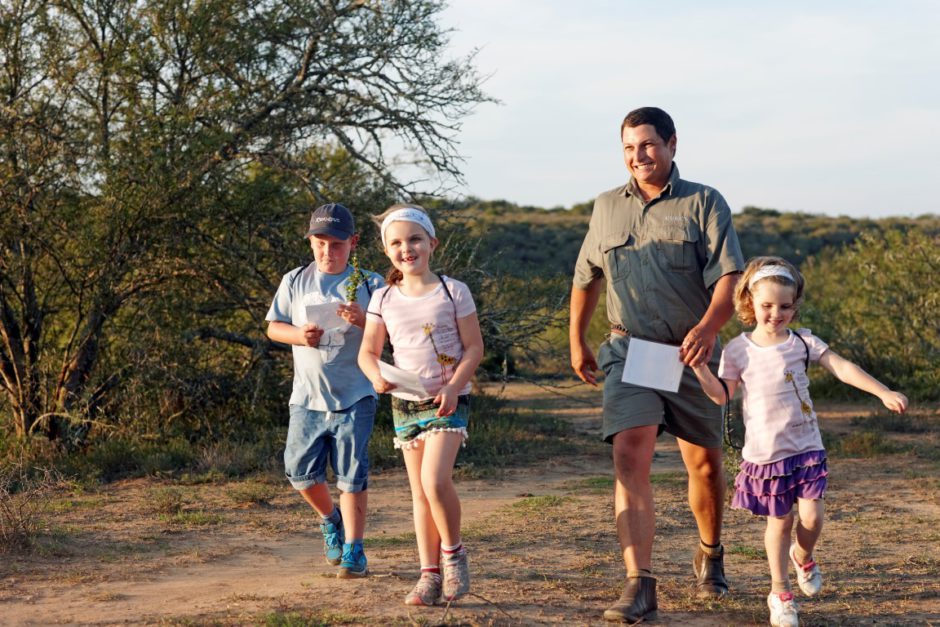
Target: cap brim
(338, 233)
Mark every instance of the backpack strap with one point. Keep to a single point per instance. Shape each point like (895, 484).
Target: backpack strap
(806, 348)
(726, 427)
(446, 289)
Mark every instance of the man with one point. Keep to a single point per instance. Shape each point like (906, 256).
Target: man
(670, 257)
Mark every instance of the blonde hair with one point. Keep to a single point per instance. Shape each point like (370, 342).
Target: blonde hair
(743, 298)
(394, 275)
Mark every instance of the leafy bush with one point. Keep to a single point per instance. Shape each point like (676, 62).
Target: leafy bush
(875, 303)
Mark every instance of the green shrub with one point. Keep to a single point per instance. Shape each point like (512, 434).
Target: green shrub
(875, 303)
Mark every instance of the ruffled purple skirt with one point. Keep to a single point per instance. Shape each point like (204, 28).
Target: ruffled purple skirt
(772, 489)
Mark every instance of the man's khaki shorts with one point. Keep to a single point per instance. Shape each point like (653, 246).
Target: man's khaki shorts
(687, 414)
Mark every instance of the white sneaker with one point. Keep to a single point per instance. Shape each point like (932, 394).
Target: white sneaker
(783, 610)
(807, 575)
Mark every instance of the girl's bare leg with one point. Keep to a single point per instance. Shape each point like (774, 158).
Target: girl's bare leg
(437, 467)
(777, 543)
(429, 540)
(809, 528)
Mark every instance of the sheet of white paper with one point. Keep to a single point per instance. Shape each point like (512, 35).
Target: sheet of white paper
(324, 315)
(653, 365)
(407, 382)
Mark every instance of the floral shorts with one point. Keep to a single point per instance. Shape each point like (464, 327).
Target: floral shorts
(416, 420)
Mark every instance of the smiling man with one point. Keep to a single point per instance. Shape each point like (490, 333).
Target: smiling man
(670, 258)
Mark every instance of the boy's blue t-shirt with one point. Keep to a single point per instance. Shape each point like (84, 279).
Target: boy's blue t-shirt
(326, 378)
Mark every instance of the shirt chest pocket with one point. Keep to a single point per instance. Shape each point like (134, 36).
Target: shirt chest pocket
(619, 254)
(678, 246)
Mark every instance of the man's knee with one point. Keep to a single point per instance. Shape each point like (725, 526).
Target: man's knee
(633, 451)
(704, 464)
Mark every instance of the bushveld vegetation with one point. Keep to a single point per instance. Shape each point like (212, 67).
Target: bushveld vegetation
(158, 161)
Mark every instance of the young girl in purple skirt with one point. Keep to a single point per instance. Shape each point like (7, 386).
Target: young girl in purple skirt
(784, 460)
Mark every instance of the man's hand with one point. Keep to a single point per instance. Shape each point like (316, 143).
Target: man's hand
(697, 346)
(583, 362)
(311, 335)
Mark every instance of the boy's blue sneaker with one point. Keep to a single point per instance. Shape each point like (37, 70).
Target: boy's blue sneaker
(354, 563)
(333, 538)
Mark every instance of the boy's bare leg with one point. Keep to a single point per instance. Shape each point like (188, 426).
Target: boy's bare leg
(318, 496)
(353, 506)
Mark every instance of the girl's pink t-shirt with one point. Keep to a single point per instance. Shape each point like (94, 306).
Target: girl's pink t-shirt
(423, 331)
(779, 418)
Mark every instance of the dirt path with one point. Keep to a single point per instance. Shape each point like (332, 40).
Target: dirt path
(541, 538)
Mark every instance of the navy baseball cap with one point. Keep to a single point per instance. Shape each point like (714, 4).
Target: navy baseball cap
(332, 219)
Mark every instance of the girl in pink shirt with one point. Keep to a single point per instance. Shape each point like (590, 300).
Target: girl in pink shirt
(432, 325)
(784, 460)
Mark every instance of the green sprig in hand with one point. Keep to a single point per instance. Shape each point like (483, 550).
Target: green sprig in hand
(355, 279)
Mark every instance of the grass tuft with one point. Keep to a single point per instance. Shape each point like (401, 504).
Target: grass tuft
(24, 494)
(252, 493)
(861, 444)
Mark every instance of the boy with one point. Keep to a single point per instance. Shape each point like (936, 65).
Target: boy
(332, 405)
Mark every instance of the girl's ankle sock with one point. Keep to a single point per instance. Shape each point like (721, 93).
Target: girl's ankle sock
(802, 556)
(779, 587)
(450, 550)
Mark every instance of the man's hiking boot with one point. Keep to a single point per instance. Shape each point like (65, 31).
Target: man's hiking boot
(710, 582)
(333, 538)
(636, 604)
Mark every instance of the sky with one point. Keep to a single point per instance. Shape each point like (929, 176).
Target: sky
(824, 107)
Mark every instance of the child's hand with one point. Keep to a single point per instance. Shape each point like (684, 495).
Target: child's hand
(312, 334)
(382, 386)
(352, 313)
(447, 398)
(697, 346)
(895, 401)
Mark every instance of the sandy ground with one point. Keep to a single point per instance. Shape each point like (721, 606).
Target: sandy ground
(541, 541)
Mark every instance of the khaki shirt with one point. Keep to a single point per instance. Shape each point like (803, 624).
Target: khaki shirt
(661, 259)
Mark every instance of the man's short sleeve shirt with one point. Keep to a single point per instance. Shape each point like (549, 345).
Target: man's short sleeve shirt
(660, 258)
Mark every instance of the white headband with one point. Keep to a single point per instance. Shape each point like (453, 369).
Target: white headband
(408, 214)
(767, 271)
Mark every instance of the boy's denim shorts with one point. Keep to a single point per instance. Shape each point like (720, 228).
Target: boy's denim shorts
(340, 437)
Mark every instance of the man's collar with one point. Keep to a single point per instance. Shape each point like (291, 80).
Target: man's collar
(630, 188)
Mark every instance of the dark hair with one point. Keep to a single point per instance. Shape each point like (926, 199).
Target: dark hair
(654, 116)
